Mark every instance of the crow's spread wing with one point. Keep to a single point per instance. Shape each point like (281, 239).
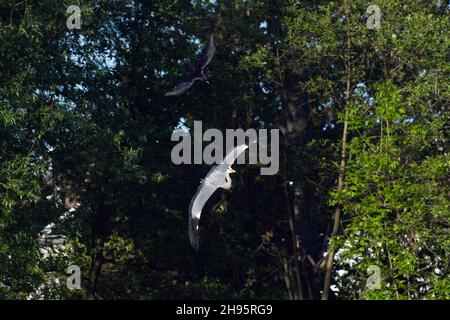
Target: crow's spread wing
(206, 55)
(182, 87)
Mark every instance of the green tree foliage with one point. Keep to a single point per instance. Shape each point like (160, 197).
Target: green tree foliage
(85, 149)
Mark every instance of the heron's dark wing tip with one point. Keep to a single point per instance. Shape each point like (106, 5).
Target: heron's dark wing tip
(193, 234)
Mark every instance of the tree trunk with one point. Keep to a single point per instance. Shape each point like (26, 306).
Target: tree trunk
(295, 253)
(341, 177)
(99, 228)
(96, 268)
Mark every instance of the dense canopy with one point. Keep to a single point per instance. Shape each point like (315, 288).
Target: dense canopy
(358, 210)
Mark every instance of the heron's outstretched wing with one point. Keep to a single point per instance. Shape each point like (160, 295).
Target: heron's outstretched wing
(231, 156)
(204, 191)
(206, 55)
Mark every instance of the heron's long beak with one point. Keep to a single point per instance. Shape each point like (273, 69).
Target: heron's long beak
(231, 170)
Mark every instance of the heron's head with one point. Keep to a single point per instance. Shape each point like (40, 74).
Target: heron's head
(231, 170)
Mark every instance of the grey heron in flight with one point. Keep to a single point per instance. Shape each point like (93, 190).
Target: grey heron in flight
(198, 72)
(217, 177)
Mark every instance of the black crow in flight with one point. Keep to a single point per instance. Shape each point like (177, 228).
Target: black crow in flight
(198, 72)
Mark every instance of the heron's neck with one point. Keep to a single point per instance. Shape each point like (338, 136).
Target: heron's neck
(227, 181)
